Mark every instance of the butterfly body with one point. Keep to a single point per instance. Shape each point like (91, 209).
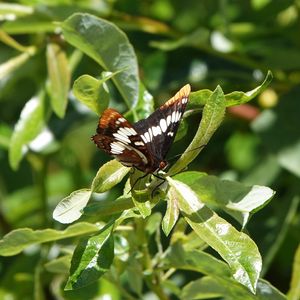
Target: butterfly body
(144, 144)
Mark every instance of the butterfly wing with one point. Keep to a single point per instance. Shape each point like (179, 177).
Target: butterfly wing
(117, 137)
(159, 129)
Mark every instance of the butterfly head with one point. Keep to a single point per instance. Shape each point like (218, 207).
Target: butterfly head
(163, 164)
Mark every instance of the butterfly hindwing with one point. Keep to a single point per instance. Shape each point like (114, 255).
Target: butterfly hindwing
(116, 136)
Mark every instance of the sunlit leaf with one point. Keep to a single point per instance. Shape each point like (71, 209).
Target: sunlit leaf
(70, 208)
(108, 176)
(235, 198)
(8, 40)
(31, 122)
(15, 9)
(172, 213)
(19, 239)
(108, 45)
(236, 248)
(12, 64)
(59, 78)
(92, 258)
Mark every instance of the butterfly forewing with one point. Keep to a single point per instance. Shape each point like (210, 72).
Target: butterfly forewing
(159, 129)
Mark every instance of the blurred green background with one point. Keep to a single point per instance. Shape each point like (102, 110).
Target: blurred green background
(204, 43)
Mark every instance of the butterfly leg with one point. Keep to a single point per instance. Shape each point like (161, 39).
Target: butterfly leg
(137, 181)
(161, 183)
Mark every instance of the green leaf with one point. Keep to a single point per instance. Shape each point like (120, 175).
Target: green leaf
(31, 122)
(5, 135)
(213, 114)
(207, 287)
(108, 176)
(198, 261)
(59, 265)
(92, 92)
(135, 275)
(144, 207)
(19, 239)
(200, 98)
(109, 46)
(70, 208)
(12, 64)
(236, 98)
(15, 9)
(153, 223)
(172, 213)
(237, 199)
(108, 207)
(236, 248)
(8, 40)
(92, 258)
(29, 25)
(59, 78)
(294, 291)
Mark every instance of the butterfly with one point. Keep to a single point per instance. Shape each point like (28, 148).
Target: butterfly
(143, 145)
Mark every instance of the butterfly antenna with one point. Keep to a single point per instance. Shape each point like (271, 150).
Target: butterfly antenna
(177, 155)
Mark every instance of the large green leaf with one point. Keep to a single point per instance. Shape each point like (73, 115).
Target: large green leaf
(91, 259)
(31, 122)
(59, 78)
(236, 248)
(108, 45)
(235, 198)
(108, 176)
(19, 239)
(71, 208)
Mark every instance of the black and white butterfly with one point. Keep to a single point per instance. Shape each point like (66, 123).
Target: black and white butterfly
(144, 144)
